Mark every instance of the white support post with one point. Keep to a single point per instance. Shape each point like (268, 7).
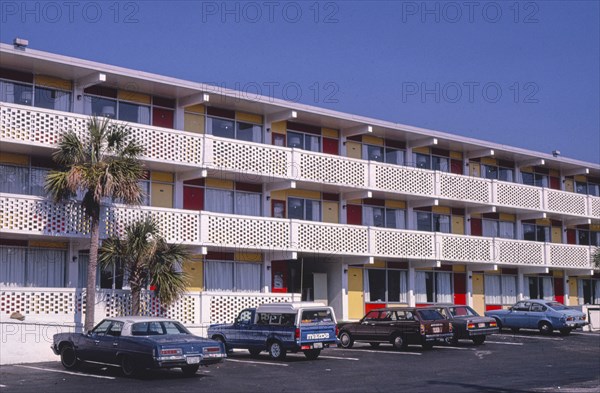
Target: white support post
(520, 287)
(566, 287)
(469, 287)
(411, 285)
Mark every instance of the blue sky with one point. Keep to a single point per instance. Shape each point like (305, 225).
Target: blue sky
(521, 73)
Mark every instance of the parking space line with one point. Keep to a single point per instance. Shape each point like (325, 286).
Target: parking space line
(253, 362)
(337, 357)
(373, 351)
(459, 348)
(2, 386)
(499, 342)
(65, 372)
(538, 338)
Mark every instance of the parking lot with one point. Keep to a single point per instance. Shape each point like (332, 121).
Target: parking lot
(523, 362)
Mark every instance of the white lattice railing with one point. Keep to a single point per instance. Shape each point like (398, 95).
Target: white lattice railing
(594, 206)
(402, 179)
(565, 202)
(331, 239)
(517, 195)
(44, 127)
(330, 169)
(402, 243)
(224, 307)
(569, 256)
(464, 188)
(461, 248)
(519, 252)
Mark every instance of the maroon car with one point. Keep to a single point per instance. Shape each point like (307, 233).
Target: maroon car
(399, 326)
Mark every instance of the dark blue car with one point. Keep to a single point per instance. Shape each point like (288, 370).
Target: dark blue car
(138, 343)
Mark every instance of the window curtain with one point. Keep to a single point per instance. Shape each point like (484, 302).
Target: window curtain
(420, 287)
(403, 287)
(313, 210)
(247, 204)
(366, 285)
(82, 266)
(14, 179)
(62, 101)
(490, 228)
(492, 289)
(38, 179)
(443, 222)
(509, 289)
(247, 277)
(580, 291)
(596, 287)
(46, 267)
(395, 218)
(314, 143)
(507, 230)
(218, 276)
(526, 287)
(548, 289)
(218, 201)
(367, 216)
(373, 216)
(443, 284)
(12, 266)
(87, 105)
(143, 114)
(7, 92)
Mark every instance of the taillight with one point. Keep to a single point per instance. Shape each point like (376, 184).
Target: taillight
(493, 324)
(337, 331)
(471, 326)
(584, 314)
(211, 349)
(450, 327)
(297, 334)
(168, 352)
(570, 319)
(422, 329)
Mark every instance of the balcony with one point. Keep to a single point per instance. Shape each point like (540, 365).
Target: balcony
(23, 125)
(35, 216)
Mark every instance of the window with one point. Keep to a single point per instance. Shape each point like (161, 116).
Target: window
(536, 233)
(388, 155)
(38, 96)
(233, 202)
(587, 188)
(16, 179)
(500, 289)
(589, 291)
(115, 329)
(52, 99)
(304, 141)
(116, 109)
(497, 172)
(304, 209)
(588, 238)
(32, 267)
(436, 163)
(535, 179)
(432, 222)
(386, 285)
(522, 306)
(157, 328)
(433, 287)
(495, 228)
(538, 288)
(232, 276)
(383, 217)
(229, 128)
(112, 277)
(102, 327)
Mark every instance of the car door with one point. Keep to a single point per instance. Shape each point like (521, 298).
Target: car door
(536, 314)
(109, 343)
(241, 329)
(88, 346)
(518, 316)
(365, 330)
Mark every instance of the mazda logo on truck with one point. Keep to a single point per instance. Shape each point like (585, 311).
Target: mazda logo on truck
(317, 336)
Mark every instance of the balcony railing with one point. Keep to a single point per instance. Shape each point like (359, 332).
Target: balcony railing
(42, 127)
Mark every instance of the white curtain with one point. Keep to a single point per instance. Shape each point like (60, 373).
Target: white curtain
(14, 179)
(525, 287)
(548, 289)
(62, 101)
(7, 92)
(395, 218)
(443, 284)
(366, 285)
(580, 291)
(38, 179)
(314, 143)
(218, 276)
(12, 266)
(247, 277)
(46, 267)
(87, 105)
(509, 289)
(143, 114)
(218, 201)
(403, 287)
(492, 289)
(313, 210)
(507, 230)
(247, 203)
(373, 216)
(596, 291)
(490, 228)
(420, 287)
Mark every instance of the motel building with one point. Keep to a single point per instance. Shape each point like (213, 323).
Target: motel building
(279, 201)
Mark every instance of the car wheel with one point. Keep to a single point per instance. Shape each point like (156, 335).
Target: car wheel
(374, 345)
(427, 345)
(312, 354)
(128, 366)
(254, 352)
(276, 351)
(545, 327)
(346, 340)
(189, 371)
(499, 325)
(222, 341)
(68, 357)
(515, 330)
(565, 331)
(478, 340)
(399, 342)
(451, 340)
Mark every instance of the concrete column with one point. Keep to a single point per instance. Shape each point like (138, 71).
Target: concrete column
(469, 287)
(411, 285)
(266, 273)
(566, 287)
(520, 287)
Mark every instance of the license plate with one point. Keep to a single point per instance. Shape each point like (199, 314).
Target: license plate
(193, 359)
(481, 325)
(318, 345)
(437, 329)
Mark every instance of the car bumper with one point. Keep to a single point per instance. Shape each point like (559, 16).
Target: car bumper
(482, 332)
(188, 360)
(437, 336)
(575, 325)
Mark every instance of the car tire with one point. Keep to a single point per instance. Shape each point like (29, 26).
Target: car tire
(565, 331)
(190, 371)
(254, 352)
(545, 328)
(515, 330)
(498, 325)
(128, 366)
(276, 350)
(68, 358)
(478, 340)
(220, 339)
(374, 345)
(312, 354)
(399, 342)
(346, 340)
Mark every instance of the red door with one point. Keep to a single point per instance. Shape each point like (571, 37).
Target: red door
(460, 288)
(331, 146)
(559, 290)
(279, 276)
(162, 117)
(193, 198)
(476, 227)
(354, 214)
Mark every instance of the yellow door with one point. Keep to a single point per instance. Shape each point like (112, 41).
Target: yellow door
(356, 297)
(556, 235)
(331, 212)
(458, 225)
(161, 195)
(478, 298)
(353, 150)
(573, 295)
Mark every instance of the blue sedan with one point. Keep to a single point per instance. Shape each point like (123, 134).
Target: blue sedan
(539, 314)
(138, 343)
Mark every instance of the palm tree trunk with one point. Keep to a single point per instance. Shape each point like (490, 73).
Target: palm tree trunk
(135, 300)
(90, 294)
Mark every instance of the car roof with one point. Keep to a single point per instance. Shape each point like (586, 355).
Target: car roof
(138, 318)
(289, 307)
(405, 308)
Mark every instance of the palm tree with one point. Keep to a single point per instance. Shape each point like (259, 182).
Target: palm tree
(101, 164)
(147, 258)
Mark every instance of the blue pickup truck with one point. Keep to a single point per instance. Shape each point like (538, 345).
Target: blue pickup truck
(280, 328)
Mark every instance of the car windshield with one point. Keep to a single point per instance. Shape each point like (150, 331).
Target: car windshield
(313, 316)
(557, 306)
(156, 328)
(430, 315)
(463, 311)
